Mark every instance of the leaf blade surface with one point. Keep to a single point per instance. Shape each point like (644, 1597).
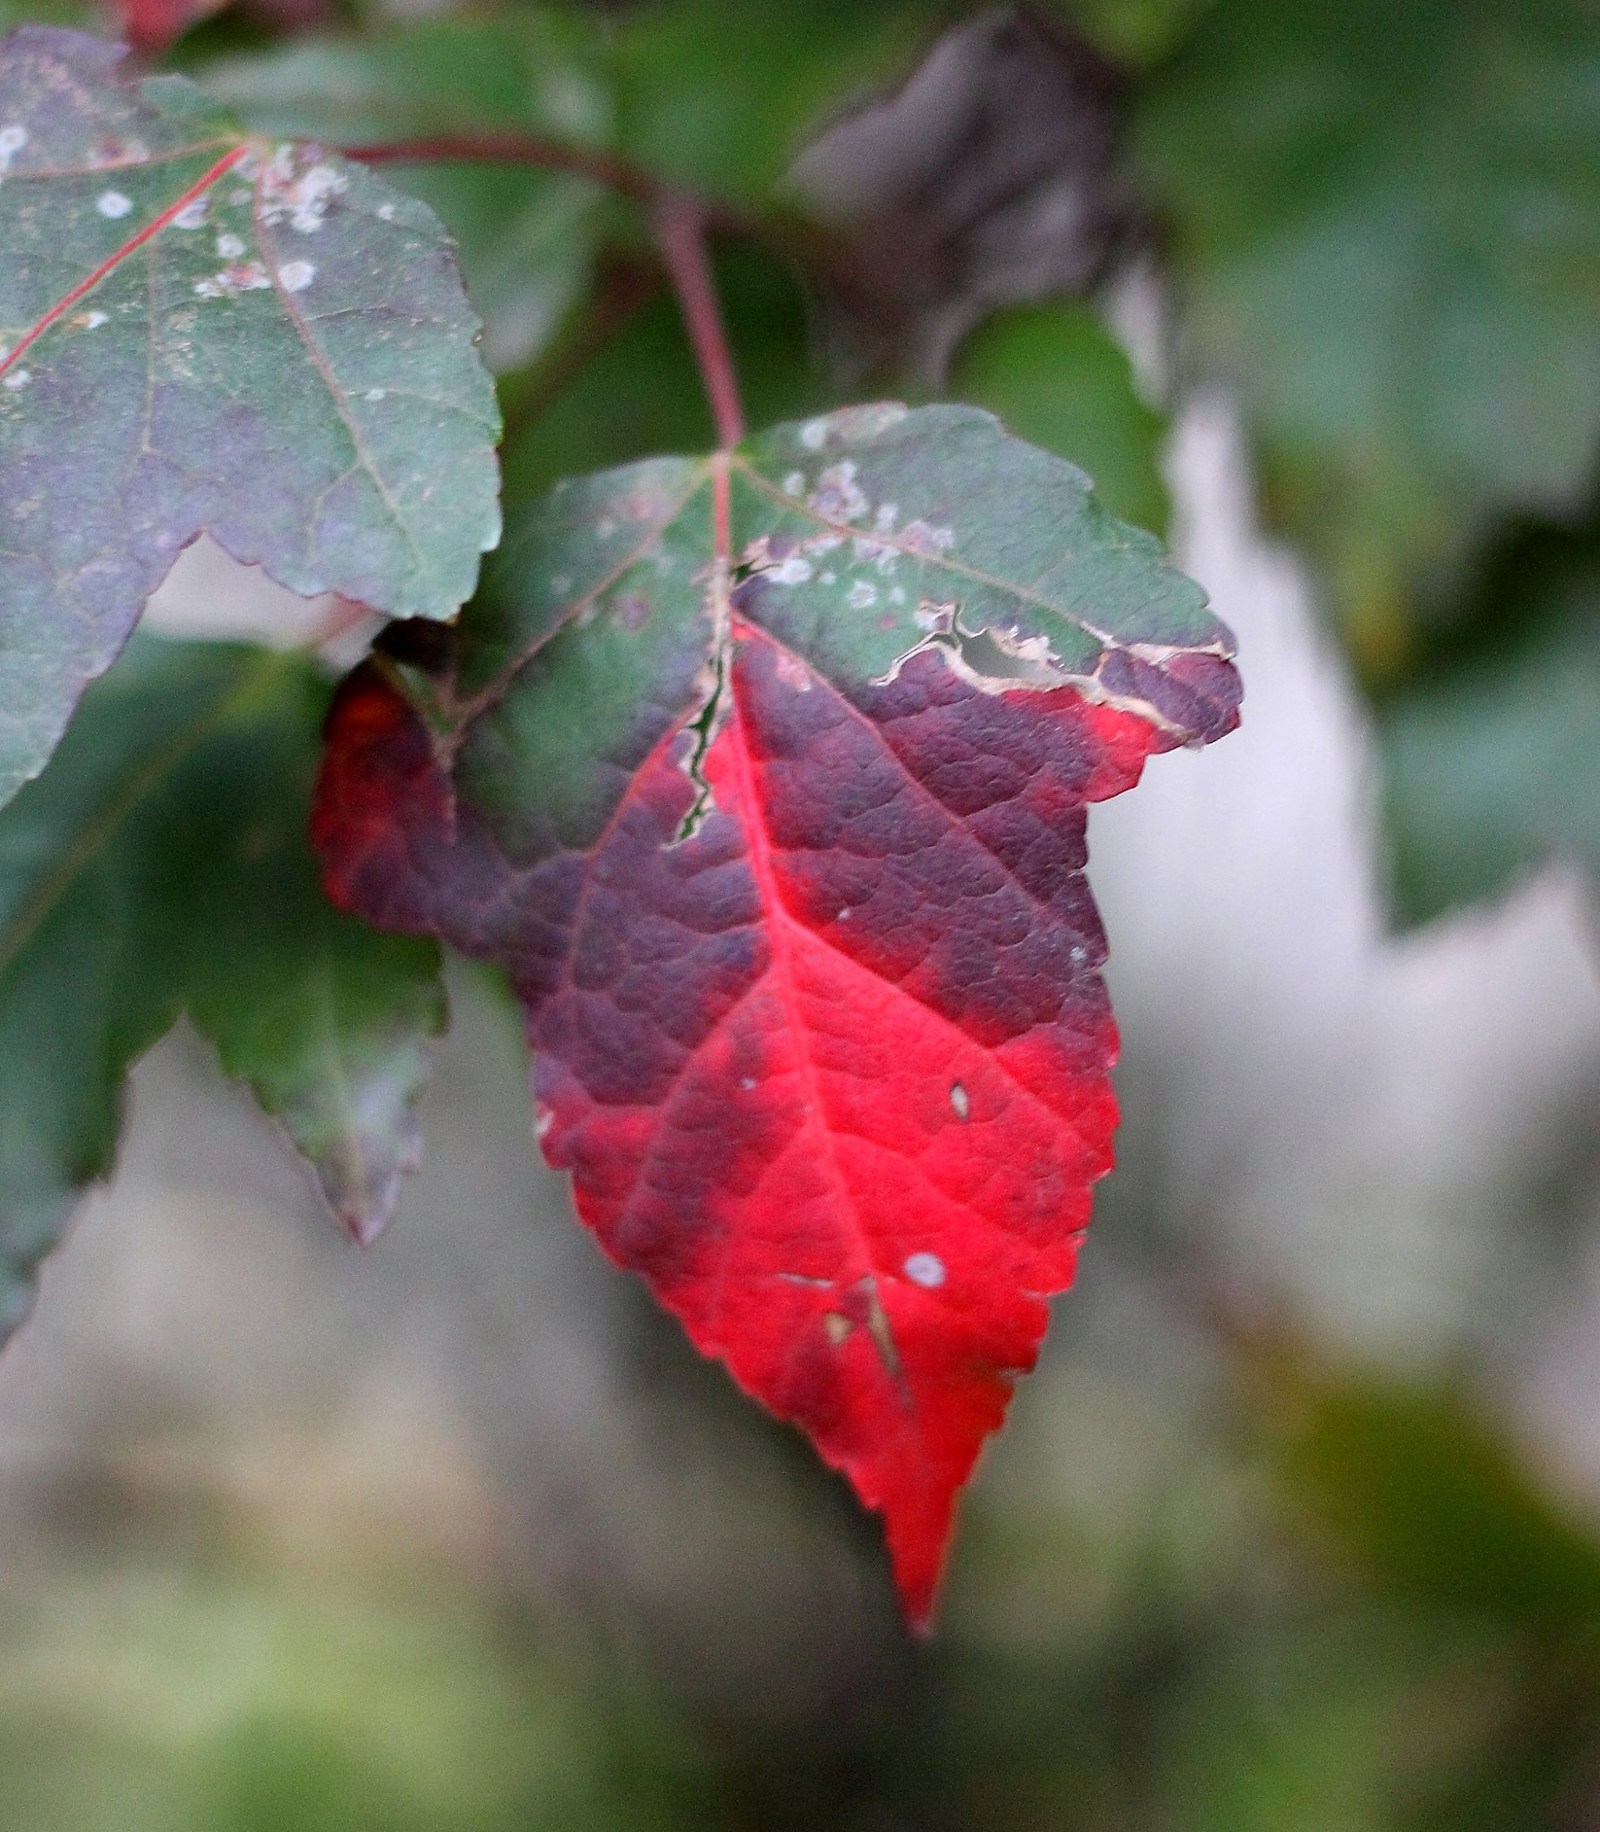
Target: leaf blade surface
(159, 866)
(809, 958)
(209, 333)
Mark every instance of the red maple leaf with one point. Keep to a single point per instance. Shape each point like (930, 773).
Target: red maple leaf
(817, 1016)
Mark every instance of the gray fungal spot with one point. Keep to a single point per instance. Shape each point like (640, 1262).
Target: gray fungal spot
(926, 1270)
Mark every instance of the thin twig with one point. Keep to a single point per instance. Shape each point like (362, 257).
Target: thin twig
(602, 168)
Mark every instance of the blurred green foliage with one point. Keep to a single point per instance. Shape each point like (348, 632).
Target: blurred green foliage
(1492, 742)
(152, 1699)
(1387, 1626)
(1384, 217)
(161, 865)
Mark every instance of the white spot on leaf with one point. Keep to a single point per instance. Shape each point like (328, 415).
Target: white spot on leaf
(229, 247)
(301, 196)
(960, 1105)
(240, 277)
(18, 378)
(793, 672)
(193, 216)
(861, 595)
(926, 1270)
(296, 275)
(838, 497)
(814, 435)
(113, 204)
(924, 538)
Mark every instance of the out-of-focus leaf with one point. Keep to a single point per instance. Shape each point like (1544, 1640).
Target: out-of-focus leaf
(527, 238)
(125, 1706)
(207, 332)
(1425, 1498)
(989, 177)
(1335, 1722)
(160, 864)
(1417, 1496)
(721, 94)
(1135, 32)
(1057, 378)
(1491, 745)
(1386, 215)
(150, 26)
(78, 13)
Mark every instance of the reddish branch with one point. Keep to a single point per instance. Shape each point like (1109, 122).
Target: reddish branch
(680, 227)
(518, 149)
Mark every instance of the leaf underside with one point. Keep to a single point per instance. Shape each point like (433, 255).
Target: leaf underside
(781, 841)
(204, 332)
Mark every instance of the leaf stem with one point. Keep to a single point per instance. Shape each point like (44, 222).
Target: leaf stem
(680, 225)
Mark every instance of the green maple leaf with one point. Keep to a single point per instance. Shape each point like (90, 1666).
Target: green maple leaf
(207, 332)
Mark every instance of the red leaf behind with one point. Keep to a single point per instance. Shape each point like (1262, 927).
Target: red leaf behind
(150, 26)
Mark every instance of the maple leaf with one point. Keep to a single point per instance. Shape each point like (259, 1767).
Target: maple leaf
(205, 331)
(159, 866)
(765, 777)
